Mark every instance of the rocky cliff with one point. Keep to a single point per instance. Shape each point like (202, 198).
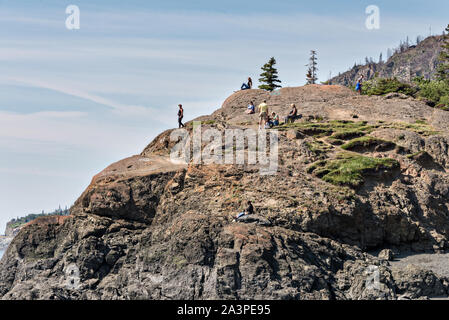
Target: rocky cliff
(416, 61)
(355, 174)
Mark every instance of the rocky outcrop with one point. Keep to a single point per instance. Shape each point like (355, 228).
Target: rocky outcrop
(150, 228)
(4, 242)
(386, 254)
(10, 231)
(416, 61)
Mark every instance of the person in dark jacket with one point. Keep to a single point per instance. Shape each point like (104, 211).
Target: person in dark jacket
(248, 85)
(248, 210)
(292, 114)
(180, 116)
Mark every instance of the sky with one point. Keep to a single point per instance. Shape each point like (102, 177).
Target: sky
(72, 101)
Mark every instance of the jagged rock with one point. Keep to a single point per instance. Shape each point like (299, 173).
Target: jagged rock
(365, 280)
(396, 95)
(294, 134)
(254, 218)
(415, 283)
(386, 254)
(150, 228)
(420, 60)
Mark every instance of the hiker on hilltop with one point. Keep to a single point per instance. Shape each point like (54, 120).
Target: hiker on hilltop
(247, 85)
(251, 108)
(248, 210)
(358, 86)
(263, 113)
(180, 116)
(293, 114)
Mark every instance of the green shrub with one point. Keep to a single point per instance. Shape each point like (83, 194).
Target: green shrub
(382, 86)
(437, 92)
(444, 100)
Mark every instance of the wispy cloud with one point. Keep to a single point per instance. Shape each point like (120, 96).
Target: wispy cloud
(42, 132)
(119, 108)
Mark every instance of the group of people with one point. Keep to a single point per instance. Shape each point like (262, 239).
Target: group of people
(265, 119)
(268, 121)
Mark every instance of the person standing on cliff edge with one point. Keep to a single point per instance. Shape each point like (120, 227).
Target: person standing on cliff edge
(180, 116)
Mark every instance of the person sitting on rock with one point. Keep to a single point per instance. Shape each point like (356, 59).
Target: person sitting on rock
(248, 210)
(293, 114)
(251, 108)
(247, 85)
(274, 121)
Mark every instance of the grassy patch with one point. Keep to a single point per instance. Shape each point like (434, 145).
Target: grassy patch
(204, 122)
(345, 130)
(365, 142)
(338, 129)
(334, 141)
(416, 154)
(420, 127)
(421, 121)
(318, 147)
(348, 134)
(350, 169)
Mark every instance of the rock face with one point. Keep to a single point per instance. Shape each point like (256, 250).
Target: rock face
(420, 60)
(150, 228)
(4, 242)
(386, 254)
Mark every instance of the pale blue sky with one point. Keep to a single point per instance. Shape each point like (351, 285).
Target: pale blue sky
(74, 101)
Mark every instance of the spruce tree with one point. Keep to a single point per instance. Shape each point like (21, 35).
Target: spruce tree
(311, 76)
(269, 76)
(443, 68)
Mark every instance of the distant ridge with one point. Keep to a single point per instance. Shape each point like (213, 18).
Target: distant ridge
(406, 64)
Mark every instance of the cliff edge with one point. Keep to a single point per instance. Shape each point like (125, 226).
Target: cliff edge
(355, 174)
